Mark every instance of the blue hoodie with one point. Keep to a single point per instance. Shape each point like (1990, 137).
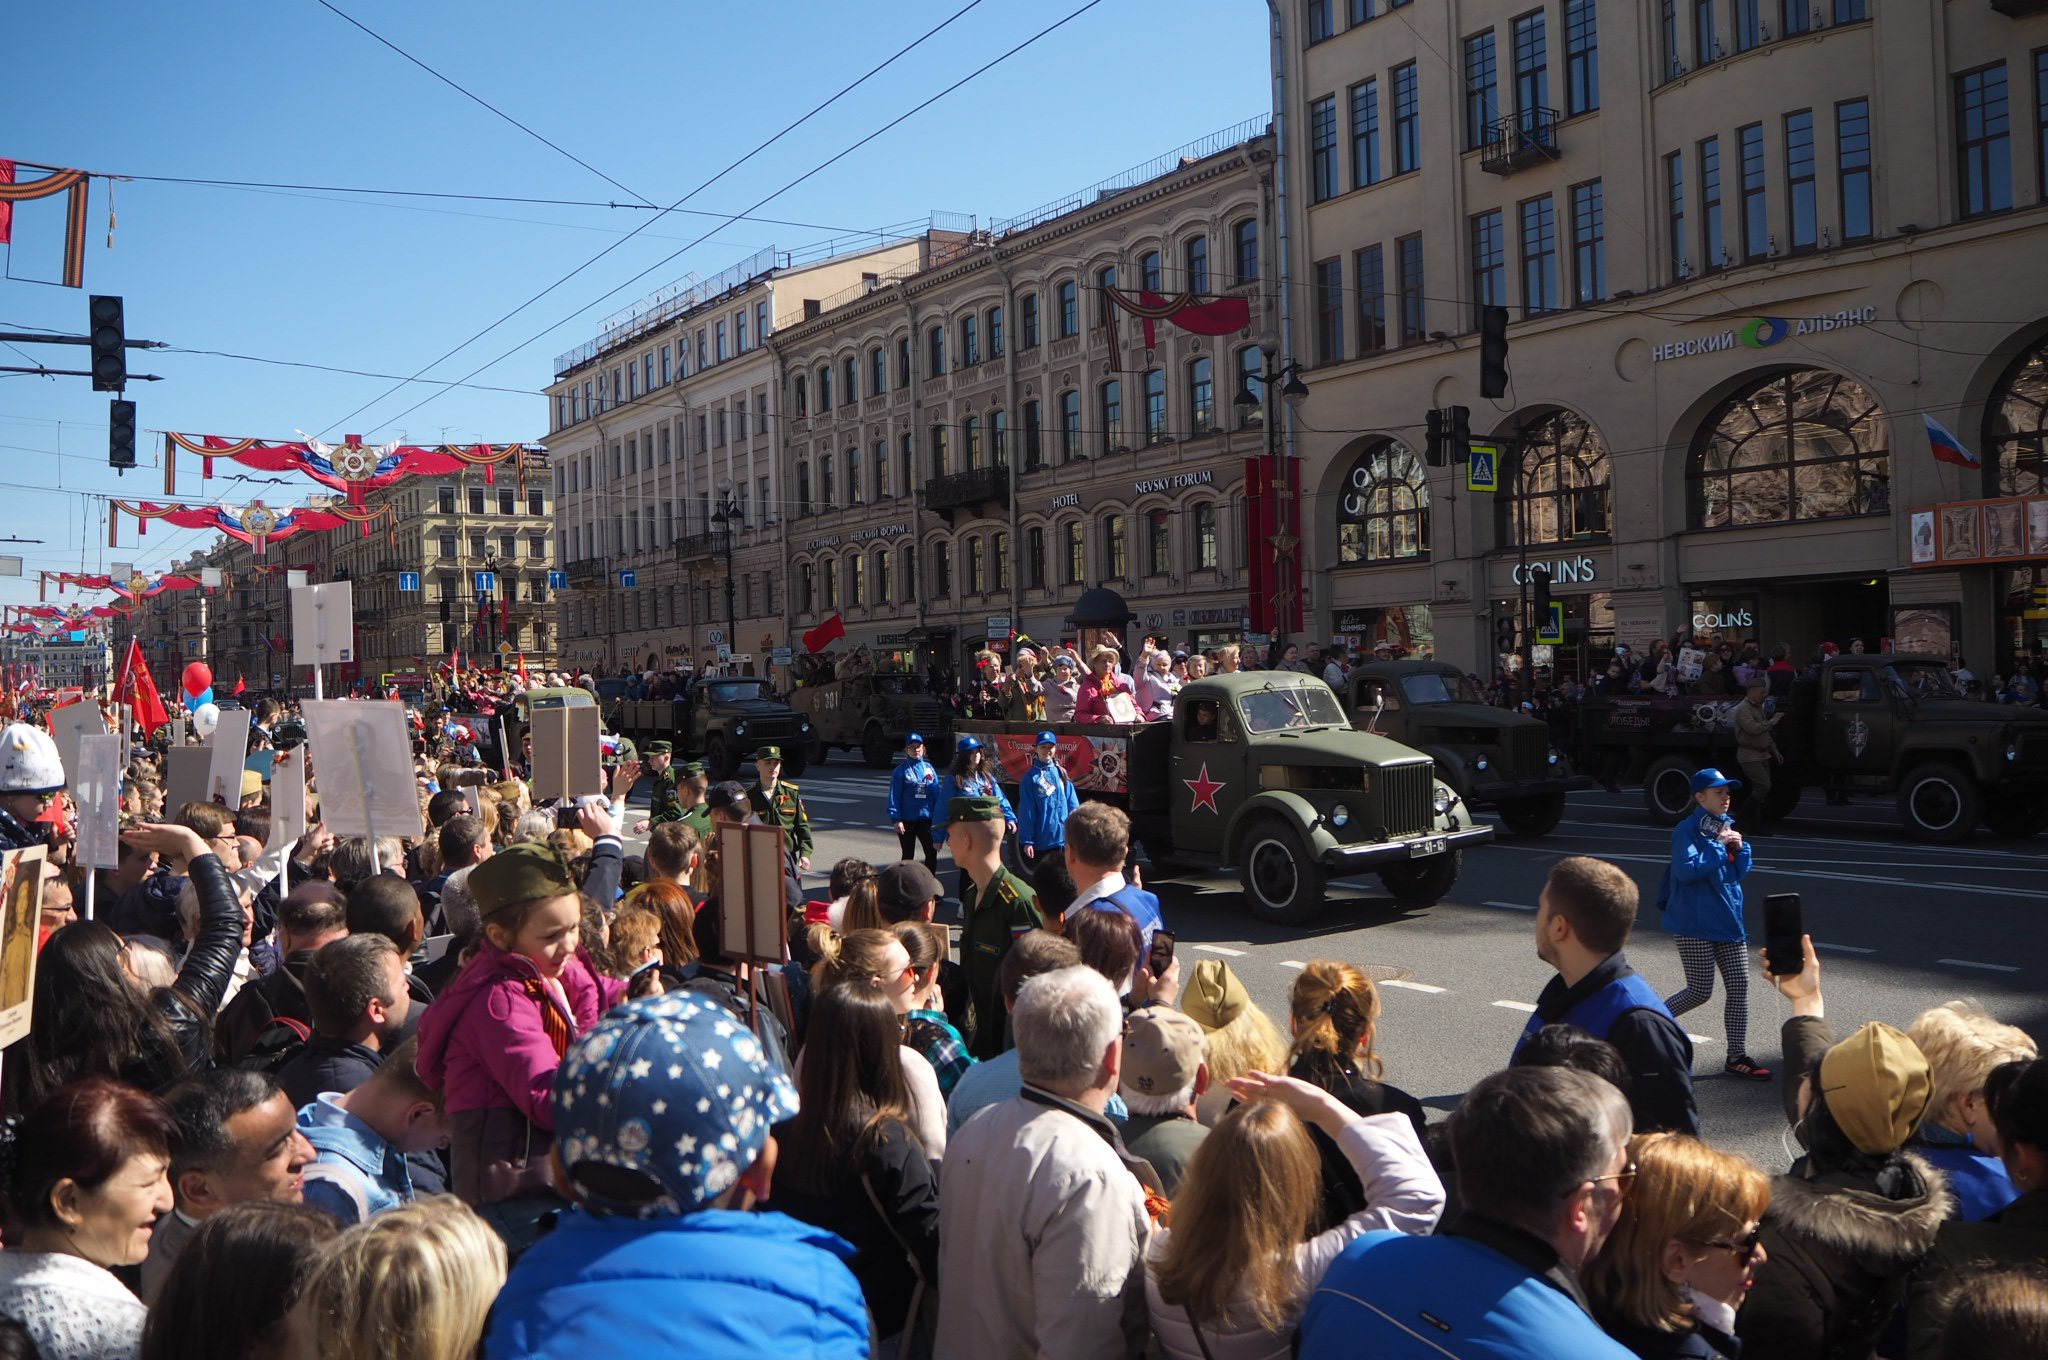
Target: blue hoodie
(910, 791)
(1045, 796)
(1702, 895)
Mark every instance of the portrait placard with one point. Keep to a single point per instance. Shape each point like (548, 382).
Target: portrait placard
(185, 770)
(566, 758)
(96, 788)
(753, 906)
(230, 747)
(364, 754)
(21, 903)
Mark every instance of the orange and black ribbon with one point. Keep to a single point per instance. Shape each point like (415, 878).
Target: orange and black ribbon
(75, 183)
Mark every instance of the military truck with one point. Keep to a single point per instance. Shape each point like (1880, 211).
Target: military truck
(872, 712)
(723, 719)
(1492, 757)
(1892, 724)
(1262, 772)
(519, 717)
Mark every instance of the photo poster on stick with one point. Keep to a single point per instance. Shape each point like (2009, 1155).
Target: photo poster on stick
(323, 624)
(96, 787)
(753, 906)
(230, 747)
(288, 796)
(364, 755)
(565, 753)
(21, 901)
(68, 724)
(185, 771)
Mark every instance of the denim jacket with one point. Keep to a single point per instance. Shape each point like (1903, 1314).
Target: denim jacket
(346, 1150)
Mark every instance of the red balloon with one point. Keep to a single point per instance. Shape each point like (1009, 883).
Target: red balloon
(198, 678)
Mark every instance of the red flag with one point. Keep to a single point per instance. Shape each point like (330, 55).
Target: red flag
(825, 634)
(525, 680)
(6, 208)
(505, 615)
(137, 689)
(240, 685)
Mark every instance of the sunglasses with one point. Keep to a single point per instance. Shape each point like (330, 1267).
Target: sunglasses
(1622, 1179)
(1745, 1248)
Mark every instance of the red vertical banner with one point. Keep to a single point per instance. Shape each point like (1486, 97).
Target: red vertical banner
(1258, 511)
(1286, 492)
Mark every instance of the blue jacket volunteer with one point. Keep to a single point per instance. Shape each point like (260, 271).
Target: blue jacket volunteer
(981, 785)
(1044, 798)
(911, 790)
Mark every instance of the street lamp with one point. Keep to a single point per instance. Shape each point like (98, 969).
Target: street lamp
(1280, 502)
(728, 517)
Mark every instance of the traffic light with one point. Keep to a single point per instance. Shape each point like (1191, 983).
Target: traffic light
(1493, 351)
(121, 434)
(1433, 451)
(1461, 434)
(109, 344)
(1504, 634)
(1539, 595)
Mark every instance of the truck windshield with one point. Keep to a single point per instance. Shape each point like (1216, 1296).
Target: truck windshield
(1271, 710)
(1924, 680)
(738, 691)
(1435, 687)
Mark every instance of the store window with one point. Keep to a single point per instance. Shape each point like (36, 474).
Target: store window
(1557, 488)
(1383, 507)
(1804, 445)
(2016, 428)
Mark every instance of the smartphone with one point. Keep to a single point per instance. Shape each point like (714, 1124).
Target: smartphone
(1784, 953)
(565, 817)
(1161, 957)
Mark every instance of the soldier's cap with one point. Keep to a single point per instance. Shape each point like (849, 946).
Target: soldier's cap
(974, 808)
(914, 739)
(520, 873)
(906, 889)
(661, 748)
(693, 767)
(252, 783)
(1048, 738)
(768, 753)
(1214, 997)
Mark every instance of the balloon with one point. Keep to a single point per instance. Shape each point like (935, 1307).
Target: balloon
(205, 718)
(193, 701)
(198, 677)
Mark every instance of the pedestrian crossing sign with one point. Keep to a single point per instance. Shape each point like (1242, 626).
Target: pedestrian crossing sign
(1482, 467)
(1551, 630)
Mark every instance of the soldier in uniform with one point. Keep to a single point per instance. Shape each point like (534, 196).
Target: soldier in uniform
(996, 907)
(696, 810)
(780, 804)
(663, 803)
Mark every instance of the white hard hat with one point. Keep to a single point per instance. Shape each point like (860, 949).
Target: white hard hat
(29, 762)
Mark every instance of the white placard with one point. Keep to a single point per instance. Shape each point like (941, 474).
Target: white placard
(230, 747)
(96, 788)
(323, 623)
(288, 796)
(185, 770)
(364, 754)
(68, 724)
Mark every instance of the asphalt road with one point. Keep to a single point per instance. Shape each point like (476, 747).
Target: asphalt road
(1900, 927)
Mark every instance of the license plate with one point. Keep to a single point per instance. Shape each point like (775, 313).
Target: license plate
(1435, 845)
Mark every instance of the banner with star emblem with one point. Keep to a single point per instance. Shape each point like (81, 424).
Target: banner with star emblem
(350, 467)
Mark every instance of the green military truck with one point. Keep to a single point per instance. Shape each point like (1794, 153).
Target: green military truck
(872, 712)
(1864, 725)
(722, 719)
(1493, 758)
(519, 718)
(1262, 772)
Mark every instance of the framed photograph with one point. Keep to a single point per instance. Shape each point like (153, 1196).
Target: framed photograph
(2037, 527)
(1959, 538)
(1923, 536)
(753, 907)
(21, 903)
(2004, 529)
(1924, 629)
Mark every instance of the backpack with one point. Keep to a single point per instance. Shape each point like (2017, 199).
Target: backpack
(281, 1039)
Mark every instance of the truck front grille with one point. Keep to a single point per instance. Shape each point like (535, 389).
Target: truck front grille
(1404, 797)
(1528, 749)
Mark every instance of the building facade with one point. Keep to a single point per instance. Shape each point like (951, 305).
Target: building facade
(65, 661)
(1747, 250)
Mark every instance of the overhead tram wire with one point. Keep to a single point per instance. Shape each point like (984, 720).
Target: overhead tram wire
(817, 109)
(823, 165)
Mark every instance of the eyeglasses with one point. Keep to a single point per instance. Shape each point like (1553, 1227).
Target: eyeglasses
(1744, 1249)
(1622, 1179)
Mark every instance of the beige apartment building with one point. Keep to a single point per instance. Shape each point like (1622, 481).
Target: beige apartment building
(966, 452)
(1748, 248)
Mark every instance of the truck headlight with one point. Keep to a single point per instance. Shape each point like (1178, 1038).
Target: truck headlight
(806, 724)
(2012, 750)
(1478, 764)
(1552, 757)
(739, 729)
(1441, 802)
(1340, 816)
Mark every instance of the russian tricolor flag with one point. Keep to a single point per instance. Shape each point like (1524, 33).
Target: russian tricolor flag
(1947, 447)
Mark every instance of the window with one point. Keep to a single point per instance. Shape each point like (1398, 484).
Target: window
(1070, 426)
(1589, 243)
(879, 451)
(720, 351)
(999, 559)
(1849, 11)
(445, 499)
(1673, 63)
(1115, 561)
(825, 488)
(632, 381)
(824, 391)
(798, 394)
(1852, 166)
(476, 493)
(970, 340)
(1155, 406)
(1201, 395)
(1027, 321)
(1202, 536)
(942, 570)
(1104, 281)
(908, 460)
(1111, 407)
(739, 331)
(1149, 272)
(856, 580)
(995, 332)
(940, 460)
(1070, 309)
(803, 489)
(1407, 112)
(977, 566)
(881, 576)
(1756, 224)
(1802, 208)
(2016, 429)
(1749, 24)
(1034, 557)
(1195, 260)
(970, 442)
(536, 502)
(1539, 256)
(447, 548)
(1158, 543)
(1532, 66)
(2040, 121)
(665, 370)
(805, 575)
(508, 503)
(1365, 133)
(1034, 438)
(760, 322)
(831, 583)
(1713, 244)
(853, 495)
(878, 373)
(1383, 510)
(1362, 10)
(1321, 21)
(1795, 16)
(1408, 260)
(1804, 445)
(1244, 249)
(1322, 148)
(902, 361)
(1076, 552)
(1489, 263)
(1329, 311)
(910, 571)
(1704, 47)
(1983, 142)
(1481, 89)
(1556, 488)
(850, 388)
(935, 352)
(1581, 57)
(1369, 274)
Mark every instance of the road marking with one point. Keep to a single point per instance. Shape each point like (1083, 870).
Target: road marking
(1292, 963)
(1701, 1038)
(1522, 1006)
(1509, 906)
(1843, 948)
(1988, 967)
(1826, 877)
(1220, 949)
(1413, 986)
(1807, 840)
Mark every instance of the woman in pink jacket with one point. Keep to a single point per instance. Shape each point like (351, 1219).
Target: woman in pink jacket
(1091, 705)
(491, 1042)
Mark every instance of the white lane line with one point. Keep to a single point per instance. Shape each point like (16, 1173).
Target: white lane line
(1413, 986)
(1521, 1006)
(1701, 1038)
(1509, 906)
(1843, 948)
(1292, 963)
(1226, 952)
(1987, 967)
(1806, 841)
(1830, 877)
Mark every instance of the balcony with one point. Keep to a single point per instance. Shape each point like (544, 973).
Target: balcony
(714, 544)
(1521, 139)
(969, 490)
(586, 571)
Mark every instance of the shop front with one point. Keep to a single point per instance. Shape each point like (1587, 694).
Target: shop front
(1580, 583)
(1997, 547)
(1802, 613)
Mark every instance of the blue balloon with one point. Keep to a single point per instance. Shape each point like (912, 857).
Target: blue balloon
(193, 701)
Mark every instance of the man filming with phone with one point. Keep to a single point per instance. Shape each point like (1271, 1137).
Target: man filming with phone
(1703, 909)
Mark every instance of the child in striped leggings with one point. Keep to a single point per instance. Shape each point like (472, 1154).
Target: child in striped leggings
(1702, 902)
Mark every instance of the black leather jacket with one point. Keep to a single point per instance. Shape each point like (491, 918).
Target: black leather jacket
(193, 1000)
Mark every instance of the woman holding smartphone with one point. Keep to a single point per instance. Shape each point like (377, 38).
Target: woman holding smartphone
(1702, 902)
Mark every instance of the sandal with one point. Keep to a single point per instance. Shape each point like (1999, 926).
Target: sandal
(1747, 1066)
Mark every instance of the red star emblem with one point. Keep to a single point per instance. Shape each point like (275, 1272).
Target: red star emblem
(1204, 788)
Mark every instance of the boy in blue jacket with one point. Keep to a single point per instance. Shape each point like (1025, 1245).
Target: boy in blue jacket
(1702, 901)
(910, 801)
(1044, 798)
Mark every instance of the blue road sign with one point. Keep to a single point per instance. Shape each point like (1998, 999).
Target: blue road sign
(1482, 468)
(628, 578)
(408, 580)
(558, 580)
(486, 581)
(1551, 630)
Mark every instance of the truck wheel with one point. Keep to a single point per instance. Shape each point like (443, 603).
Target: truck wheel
(720, 760)
(797, 761)
(1533, 816)
(875, 750)
(1424, 882)
(819, 751)
(1281, 883)
(2016, 821)
(1667, 789)
(1939, 803)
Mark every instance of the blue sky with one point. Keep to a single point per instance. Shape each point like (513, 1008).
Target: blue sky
(659, 97)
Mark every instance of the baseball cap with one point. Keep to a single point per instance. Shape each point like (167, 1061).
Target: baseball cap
(1213, 996)
(914, 739)
(1047, 738)
(1878, 1086)
(905, 889)
(1162, 1052)
(1711, 778)
(729, 796)
(672, 1088)
(970, 744)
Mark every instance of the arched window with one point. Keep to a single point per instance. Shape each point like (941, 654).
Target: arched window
(824, 389)
(1803, 445)
(1155, 406)
(1383, 506)
(1149, 271)
(1201, 395)
(802, 398)
(1557, 489)
(2016, 428)
(1196, 256)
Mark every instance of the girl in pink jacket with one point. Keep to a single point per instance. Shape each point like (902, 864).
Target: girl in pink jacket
(492, 1040)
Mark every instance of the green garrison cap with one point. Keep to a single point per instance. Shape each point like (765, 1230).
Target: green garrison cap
(519, 873)
(661, 748)
(694, 767)
(768, 753)
(972, 808)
